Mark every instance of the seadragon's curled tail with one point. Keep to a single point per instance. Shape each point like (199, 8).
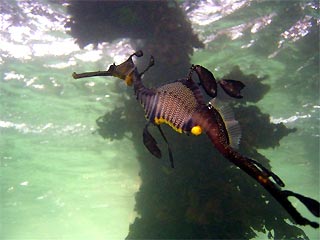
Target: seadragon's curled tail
(181, 105)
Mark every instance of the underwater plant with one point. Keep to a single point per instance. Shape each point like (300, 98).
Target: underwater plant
(181, 105)
(204, 196)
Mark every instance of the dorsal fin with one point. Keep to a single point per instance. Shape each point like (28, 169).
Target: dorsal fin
(232, 125)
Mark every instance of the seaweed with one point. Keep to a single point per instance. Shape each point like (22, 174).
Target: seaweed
(204, 196)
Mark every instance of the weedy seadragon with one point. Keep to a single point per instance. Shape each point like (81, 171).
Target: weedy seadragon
(181, 105)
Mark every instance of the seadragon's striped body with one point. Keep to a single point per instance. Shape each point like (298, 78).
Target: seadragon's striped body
(173, 103)
(181, 105)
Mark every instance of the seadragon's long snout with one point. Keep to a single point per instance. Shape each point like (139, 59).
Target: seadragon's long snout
(122, 71)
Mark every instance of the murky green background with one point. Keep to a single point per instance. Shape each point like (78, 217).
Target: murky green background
(61, 180)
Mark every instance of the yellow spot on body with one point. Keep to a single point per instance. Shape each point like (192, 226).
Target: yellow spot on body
(128, 79)
(196, 130)
(159, 121)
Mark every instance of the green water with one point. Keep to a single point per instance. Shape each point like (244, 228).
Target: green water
(57, 176)
(61, 180)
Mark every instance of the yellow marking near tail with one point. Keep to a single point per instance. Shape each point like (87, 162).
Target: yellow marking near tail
(262, 179)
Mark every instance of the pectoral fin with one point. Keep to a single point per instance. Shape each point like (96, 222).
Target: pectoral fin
(150, 143)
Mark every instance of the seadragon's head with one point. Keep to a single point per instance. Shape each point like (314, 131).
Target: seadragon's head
(123, 71)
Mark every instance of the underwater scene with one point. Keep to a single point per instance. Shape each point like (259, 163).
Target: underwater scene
(77, 160)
